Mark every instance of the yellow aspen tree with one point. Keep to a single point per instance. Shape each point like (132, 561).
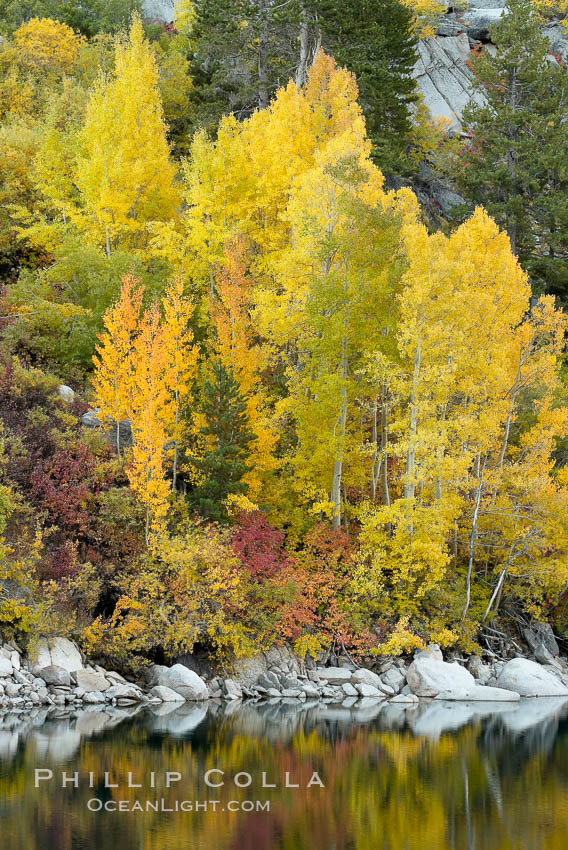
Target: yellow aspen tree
(238, 187)
(180, 359)
(114, 364)
(124, 174)
(236, 350)
(461, 302)
(335, 276)
(150, 400)
(47, 44)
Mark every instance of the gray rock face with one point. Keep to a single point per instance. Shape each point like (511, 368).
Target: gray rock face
(90, 681)
(232, 689)
(268, 680)
(479, 21)
(185, 682)
(277, 659)
(542, 642)
(57, 651)
(558, 38)
(444, 79)
(428, 677)
(158, 10)
(529, 679)
(449, 25)
(484, 4)
(335, 675)
(54, 675)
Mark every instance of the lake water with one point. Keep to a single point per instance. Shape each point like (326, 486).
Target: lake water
(443, 775)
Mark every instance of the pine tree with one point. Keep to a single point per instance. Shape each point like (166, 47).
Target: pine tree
(245, 52)
(516, 160)
(374, 39)
(228, 437)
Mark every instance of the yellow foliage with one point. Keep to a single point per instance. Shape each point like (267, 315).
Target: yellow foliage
(401, 640)
(45, 43)
(186, 589)
(123, 171)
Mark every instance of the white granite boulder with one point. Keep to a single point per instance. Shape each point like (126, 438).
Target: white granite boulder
(335, 675)
(530, 679)
(6, 668)
(367, 677)
(479, 693)
(180, 679)
(58, 652)
(429, 677)
(89, 681)
(165, 694)
(66, 393)
(55, 675)
(366, 690)
(394, 678)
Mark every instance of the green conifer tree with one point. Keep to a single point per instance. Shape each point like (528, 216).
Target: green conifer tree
(224, 463)
(516, 160)
(374, 39)
(246, 50)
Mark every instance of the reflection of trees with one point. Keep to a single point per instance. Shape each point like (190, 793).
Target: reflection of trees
(385, 789)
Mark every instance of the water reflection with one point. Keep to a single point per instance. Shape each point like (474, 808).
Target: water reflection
(439, 776)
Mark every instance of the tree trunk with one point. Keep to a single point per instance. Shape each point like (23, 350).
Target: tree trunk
(338, 465)
(302, 69)
(472, 539)
(174, 469)
(263, 95)
(117, 413)
(410, 487)
(385, 445)
(376, 465)
(342, 427)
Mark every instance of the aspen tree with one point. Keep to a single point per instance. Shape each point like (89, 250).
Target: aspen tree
(149, 416)
(124, 174)
(114, 365)
(237, 351)
(180, 359)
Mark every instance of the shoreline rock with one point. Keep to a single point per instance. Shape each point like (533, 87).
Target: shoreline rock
(56, 674)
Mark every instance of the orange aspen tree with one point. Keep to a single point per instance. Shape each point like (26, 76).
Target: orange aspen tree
(180, 359)
(235, 349)
(149, 415)
(113, 376)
